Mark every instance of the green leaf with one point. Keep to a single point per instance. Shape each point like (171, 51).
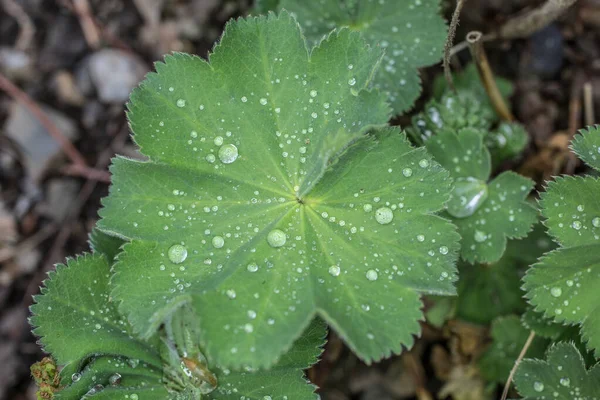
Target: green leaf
(108, 246)
(542, 326)
(506, 142)
(562, 376)
(587, 146)
(74, 307)
(284, 380)
(508, 338)
(296, 225)
(491, 214)
(412, 34)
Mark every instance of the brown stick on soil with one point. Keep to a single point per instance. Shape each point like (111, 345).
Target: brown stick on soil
(517, 362)
(26, 27)
(534, 20)
(90, 31)
(487, 76)
(588, 104)
(450, 41)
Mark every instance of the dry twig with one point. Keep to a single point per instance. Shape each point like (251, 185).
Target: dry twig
(588, 104)
(517, 362)
(26, 27)
(450, 41)
(86, 20)
(487, 76)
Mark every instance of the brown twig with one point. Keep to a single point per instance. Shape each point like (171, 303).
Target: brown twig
(29, 243)
(86, 20)
(588, 104)
(20, 96)
(487, 76)
(86, 172)
(517, 362)
(575, 102)
(26, 27)
(450, 41)
(534, 20)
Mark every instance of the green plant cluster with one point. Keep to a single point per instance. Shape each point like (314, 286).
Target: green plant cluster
(277, 202)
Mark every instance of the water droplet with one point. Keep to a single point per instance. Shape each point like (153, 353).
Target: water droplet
(565, 382)
(218, 141)
(252, 267)
(424, 163)
(313, 93)
(420, 238)
(228, 153)
(75, 377)
(218, 242)
(407, 172)
(538, 386)
(177, 253)
(480, 237)
(556, 291)
(372, 275)
(334, 270)
(230, 293)
(444, 250)
(276, 238)
(211, 158)
(596, 222)
(468, 195)
(576, 225)
(368, 208)
(181, 103)
(384, 215)
(244, 99)
(133, 396)
(263, 101)
(114, 379)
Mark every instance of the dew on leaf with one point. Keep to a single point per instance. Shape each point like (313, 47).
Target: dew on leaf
(177, 253)
(424, 163)
(576, 225)
(420, 238)
(313, 93)
(368, 208)
(230, 293)
(480, 236)
(114, 379)
(565, 382)
(538, 386)
(75, 377)
(407, 172)
(228, 153)
(218, 242)
(372, 275)
(252, 267)
(211, 158)
(276, 238)
(384, 215)
(181, 103)
(352, 81)
(334, 270)
(444, 250)
(468, 195)
(263, 101)
(596, 222)
(556, 291)
(218, 141)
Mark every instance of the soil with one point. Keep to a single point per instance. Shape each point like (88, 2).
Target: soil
(77, 64)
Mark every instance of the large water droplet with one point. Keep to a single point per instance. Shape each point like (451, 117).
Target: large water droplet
(218, 242)
(228, 153)
(334, 270)
(565, 382)
(556, 291)
(444, 250)
(576, 225)
(181, 103)
(276, 238)
(538, 386)
(384, 215)
(372, 275)
(177, 253)
(407, 172)
(468, 195)
(596, 222)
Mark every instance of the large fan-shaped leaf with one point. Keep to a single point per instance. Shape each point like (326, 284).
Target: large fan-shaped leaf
(289, 223)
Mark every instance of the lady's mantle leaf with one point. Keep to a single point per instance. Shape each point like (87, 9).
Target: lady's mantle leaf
(508, 338)
(486, 214)
(564, 284)
(412, 32)
(108, 246)
(587, 146)
(74, 317)
(562, 376)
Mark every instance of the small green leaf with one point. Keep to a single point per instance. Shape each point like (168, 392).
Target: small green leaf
(487, 217)
(506, 142)
(74, 318)
(508, 338)
(542, 326)
(306, 216)
(562, 376)
(587, 146)
(108, 246)
(412, 34)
